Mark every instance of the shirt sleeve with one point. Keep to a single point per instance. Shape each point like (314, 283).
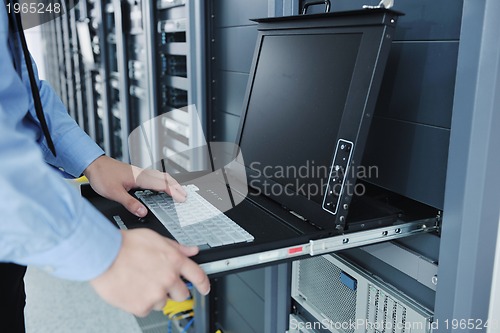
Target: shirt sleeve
(44, 221)
(75, 149)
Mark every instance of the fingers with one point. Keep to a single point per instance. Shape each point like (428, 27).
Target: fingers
(148, 269)
(130, 203)
(172, 187)
(177, 191)
(112, 179)
(189, 269)
(197, 276)
(188, 251)
(178, 291)
(159, 181)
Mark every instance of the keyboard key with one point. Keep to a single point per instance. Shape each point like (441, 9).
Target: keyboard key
(237, 237)
(213, 241)
(203, 247)
(225, 239)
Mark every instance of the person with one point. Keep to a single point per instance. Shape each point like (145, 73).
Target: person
(46, 223)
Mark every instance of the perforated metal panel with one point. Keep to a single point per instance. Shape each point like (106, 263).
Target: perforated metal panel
(319, 283)
(384, 313)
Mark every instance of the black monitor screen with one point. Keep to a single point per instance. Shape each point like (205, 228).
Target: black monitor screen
(294, 111)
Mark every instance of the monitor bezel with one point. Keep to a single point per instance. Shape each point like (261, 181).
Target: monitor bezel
(376, 29)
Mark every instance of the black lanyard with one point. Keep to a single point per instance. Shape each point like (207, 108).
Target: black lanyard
(16, 23)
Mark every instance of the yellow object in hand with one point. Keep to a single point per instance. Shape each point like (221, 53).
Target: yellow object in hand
(172, 307)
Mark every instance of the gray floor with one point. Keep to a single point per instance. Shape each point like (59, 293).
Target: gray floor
(59, 306)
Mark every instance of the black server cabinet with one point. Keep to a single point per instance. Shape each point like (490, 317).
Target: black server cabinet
(172, 81)
(112, 82)
(137, 63)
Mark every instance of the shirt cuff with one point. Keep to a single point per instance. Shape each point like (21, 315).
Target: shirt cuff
(87, 253)
(75, 152)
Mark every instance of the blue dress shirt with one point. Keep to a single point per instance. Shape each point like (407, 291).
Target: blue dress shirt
(43, 221)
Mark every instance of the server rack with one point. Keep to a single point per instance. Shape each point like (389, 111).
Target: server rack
(172, 79)
(120, 82)
(177, 52)
(61, 58)
(117, 64)
(49, 58)
(89, 21)
(136, 57)
(63, 61)
(67, 64)
(77, 69)
(112, 82)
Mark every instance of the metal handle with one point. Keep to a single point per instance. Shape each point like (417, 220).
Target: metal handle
(316, 2)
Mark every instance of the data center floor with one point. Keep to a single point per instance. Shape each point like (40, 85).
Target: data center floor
(59, 306)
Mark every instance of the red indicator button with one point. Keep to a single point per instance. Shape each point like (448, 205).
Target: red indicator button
(295, 250)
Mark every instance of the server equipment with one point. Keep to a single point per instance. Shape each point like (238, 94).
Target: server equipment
(333, 295)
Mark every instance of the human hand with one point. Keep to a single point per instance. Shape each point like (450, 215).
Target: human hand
(113, 179)
(146, 271)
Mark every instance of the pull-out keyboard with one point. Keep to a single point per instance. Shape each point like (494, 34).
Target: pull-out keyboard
(195, 221)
